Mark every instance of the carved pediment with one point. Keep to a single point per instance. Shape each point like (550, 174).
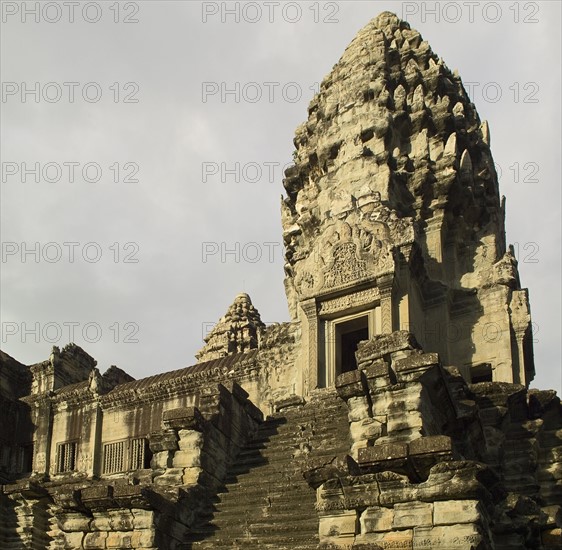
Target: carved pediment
(353, 249)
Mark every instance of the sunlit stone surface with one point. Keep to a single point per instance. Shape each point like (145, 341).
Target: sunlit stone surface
(393, 411)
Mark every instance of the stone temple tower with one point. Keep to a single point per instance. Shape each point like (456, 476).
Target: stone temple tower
(392, 411)
(394, 221)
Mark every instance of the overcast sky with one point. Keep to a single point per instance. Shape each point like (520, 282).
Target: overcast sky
(175, 98)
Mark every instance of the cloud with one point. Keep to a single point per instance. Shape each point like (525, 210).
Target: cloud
(170, 293)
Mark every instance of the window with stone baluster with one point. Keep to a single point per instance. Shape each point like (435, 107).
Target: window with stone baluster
(66, 456)
(126, 455)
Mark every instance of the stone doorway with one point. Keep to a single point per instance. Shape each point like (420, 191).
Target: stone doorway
(349, 342)
(338, 338)
(348, 334)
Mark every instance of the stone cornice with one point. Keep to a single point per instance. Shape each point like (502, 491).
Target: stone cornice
(181, 382)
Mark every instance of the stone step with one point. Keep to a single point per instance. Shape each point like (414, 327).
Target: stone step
(279, 502)
(240, 515)
(260, 494)
(319, 433)
(285, 447)
(294, 541)
(251, 544)
(316, 430)
(273, 461)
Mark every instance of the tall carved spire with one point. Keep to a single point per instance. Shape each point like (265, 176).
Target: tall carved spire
(393, 173)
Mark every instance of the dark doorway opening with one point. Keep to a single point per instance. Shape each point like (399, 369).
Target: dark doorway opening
(27, 459)
(481, 373)
(348, 336)
(349, 343)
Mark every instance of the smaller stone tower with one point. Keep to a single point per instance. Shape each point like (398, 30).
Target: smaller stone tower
(238, 330)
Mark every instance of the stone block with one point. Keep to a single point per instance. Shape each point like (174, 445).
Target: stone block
(189, 440)
(289, 402)
(415, 361)
(367, 430)
(412, 514)
(186, 459)
(163, 441)
(343, 542)
(450, 512)
(144, 538)
(378, 375)
(376, 520)
(407, 420)
(382, 345)
(172, 476)
(73, 540)
(451, 537)
(73, 522)
(329, 498)
(27, 487)
(96, 492)
(67, 498)
(351, 384)
(120, 520)
(161, 460)
(338, 524)
(183, 417)
(395, 488)
(425, 452)
(348, 493)
(394, 539)
(190, 476)
(406, 398)
(128, 496)
(101, 522)
(143, 519)
(320, 470)
(117, 539)
(377, 369)
(95, 540)
(358, 408)
(457, 480)
(431, 444)
(382, 453)
(381, 403)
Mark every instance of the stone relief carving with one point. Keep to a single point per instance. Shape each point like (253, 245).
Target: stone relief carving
(358, 245)
(342, 303)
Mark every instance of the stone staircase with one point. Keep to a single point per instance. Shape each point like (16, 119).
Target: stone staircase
(266, 503)
(24, 525)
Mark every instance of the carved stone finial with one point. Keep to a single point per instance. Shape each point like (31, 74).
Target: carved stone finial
(94, 381)
(237, 331)
(55, 354)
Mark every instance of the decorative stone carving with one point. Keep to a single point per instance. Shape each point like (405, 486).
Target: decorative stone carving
(238, 330)
(360, 298)
(351, 250)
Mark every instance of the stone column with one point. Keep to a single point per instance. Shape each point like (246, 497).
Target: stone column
(434, 244)
(96, 441)
(43, 420)
(521, 374)
(402, 282)
(521, 323)
(311, 374)
(385, 284)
